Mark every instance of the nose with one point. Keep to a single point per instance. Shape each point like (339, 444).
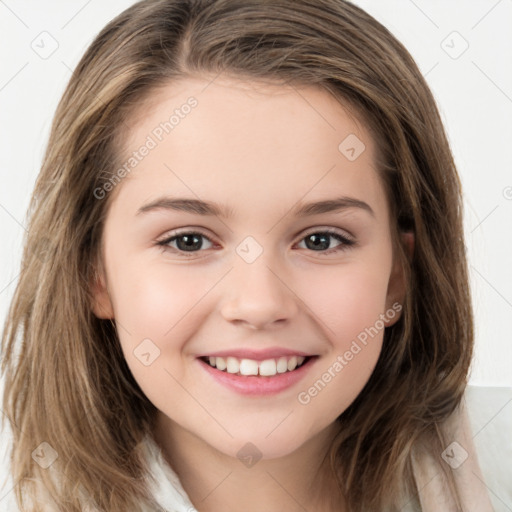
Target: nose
(258, 296)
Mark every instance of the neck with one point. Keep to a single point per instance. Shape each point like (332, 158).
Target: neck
(216, 482)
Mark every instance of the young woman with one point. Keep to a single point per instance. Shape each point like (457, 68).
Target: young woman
(244, 274)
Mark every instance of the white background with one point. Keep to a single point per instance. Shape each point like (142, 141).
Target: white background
(473, 91)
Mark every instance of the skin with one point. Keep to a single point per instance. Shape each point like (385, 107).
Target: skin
(257, 149)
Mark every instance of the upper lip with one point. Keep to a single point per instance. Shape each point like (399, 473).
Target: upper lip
(257, 355)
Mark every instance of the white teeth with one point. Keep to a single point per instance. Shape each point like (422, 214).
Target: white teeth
(220, 363)
(233, 366)
(268, 367)
(292, 363)
(248, 367)
(282, 365)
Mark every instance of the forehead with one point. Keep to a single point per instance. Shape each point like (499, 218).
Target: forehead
(246, 142)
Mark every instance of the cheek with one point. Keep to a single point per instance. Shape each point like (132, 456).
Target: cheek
(156, 313)
(348, 305)
(151, 300)
(345, 300)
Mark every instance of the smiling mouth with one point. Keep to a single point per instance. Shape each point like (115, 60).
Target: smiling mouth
(247, 367)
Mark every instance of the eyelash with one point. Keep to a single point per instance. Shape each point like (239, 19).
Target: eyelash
(346, 242)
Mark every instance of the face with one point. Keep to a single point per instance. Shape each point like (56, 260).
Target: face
(259, 273)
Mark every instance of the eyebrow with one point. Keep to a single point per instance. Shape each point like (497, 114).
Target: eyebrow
(201, 207)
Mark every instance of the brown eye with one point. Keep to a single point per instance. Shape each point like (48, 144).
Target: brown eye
(320, 241)
(186, 242)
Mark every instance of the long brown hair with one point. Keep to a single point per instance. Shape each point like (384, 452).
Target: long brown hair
(66, 381)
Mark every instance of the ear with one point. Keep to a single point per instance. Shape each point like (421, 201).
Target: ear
(101, 303)
(397, 286)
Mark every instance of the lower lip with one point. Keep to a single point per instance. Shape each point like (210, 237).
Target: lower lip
(257, 384)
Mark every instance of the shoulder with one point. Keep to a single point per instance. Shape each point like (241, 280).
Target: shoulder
(163, 482)
(466, 445)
